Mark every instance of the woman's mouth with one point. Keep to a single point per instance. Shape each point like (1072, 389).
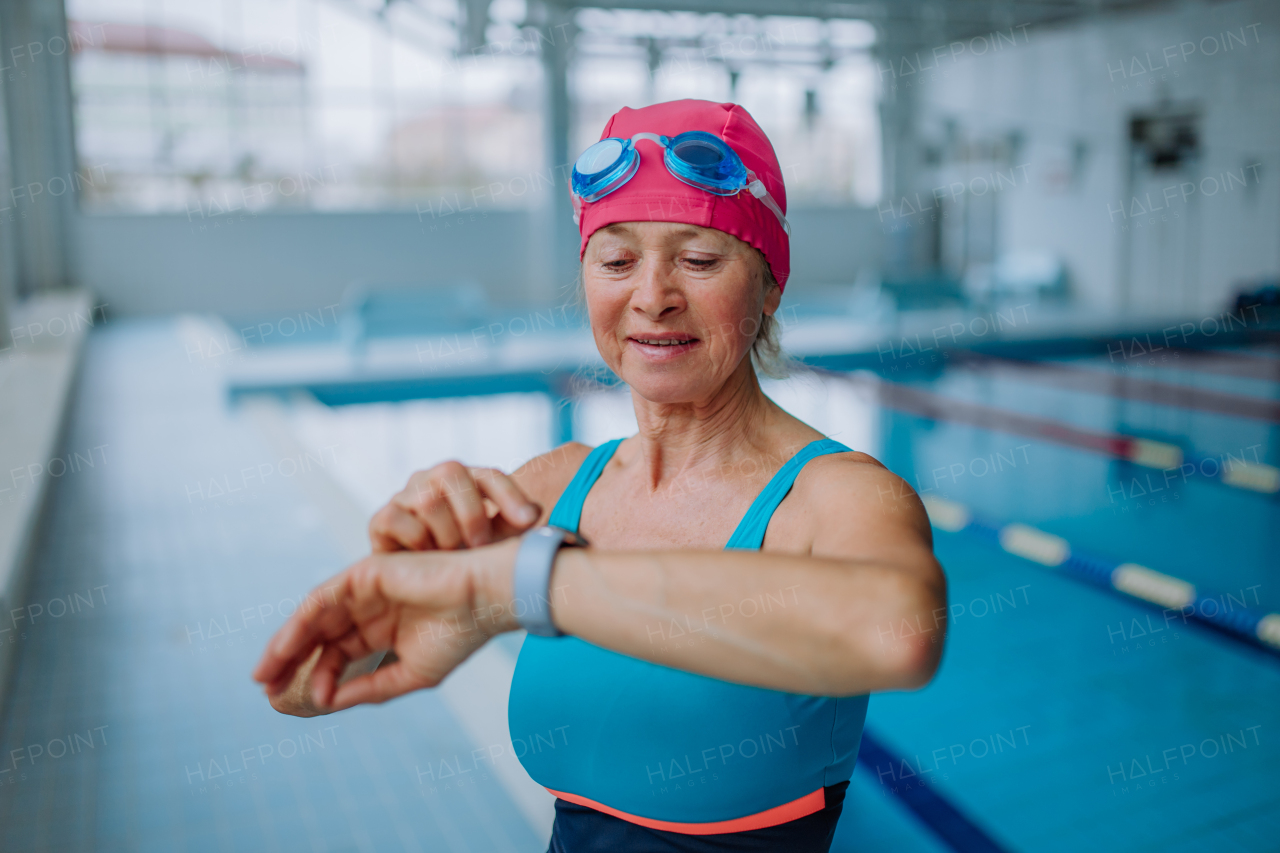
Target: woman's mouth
(663, 347)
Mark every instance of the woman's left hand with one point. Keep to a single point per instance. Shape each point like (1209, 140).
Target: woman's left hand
(433, 609)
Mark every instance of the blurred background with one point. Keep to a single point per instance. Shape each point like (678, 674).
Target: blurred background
(260, 261)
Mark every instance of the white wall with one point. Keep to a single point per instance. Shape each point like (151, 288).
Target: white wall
(1080, 82)
(244, 265)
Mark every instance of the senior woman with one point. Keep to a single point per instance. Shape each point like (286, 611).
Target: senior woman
(708, 601)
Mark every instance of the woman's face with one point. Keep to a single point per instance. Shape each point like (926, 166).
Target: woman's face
(674, 308)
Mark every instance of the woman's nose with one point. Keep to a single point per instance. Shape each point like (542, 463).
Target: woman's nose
(657, 292)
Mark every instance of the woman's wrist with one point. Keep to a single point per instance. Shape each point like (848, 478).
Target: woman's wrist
(493, 585)
(495, 605)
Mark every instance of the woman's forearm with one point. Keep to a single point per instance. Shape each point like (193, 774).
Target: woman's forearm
(796, 623)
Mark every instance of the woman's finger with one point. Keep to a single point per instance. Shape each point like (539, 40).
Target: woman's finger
(451, 502)
(424, 497)
(395, 528)
(324, 678)
(465, 500)
(380, 543)
(319, 617)
(382, 684)
(517, 510)
(280, 659)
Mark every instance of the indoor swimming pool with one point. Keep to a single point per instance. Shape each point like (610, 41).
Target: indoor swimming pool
(1067, 714)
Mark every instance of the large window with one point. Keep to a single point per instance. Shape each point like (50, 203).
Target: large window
(210, 105)
(812, 86)
(298, 103)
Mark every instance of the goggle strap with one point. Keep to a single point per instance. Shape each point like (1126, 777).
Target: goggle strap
(760, 191)
(652, 137)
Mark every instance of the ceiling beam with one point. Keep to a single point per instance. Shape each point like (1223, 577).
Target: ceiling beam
(952, 18)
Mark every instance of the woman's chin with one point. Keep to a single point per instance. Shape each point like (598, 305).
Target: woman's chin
(669, 389)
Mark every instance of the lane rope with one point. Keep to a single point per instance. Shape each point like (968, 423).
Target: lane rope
(1134, 581)
(1121, 386)
(1148, 453)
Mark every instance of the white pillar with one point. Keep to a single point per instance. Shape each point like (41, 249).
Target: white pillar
(557, 232)
(41, 147)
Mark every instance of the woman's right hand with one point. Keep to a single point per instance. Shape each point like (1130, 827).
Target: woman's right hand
(452, 506)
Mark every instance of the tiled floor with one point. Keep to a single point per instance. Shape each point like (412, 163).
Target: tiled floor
(173, 746)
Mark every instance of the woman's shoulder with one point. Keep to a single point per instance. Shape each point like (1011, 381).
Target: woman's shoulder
(844, 470)
(835, 485)
(829, 462)
(545, 477)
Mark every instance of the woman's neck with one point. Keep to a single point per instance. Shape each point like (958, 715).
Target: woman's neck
(676, 441)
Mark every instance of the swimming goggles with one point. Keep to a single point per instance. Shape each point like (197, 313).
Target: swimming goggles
(697, 158)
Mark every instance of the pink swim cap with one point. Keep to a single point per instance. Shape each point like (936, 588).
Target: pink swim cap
(655, 195)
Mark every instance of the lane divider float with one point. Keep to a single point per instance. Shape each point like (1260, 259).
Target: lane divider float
(1131, 579)
(1145, 452)
(1123, 387)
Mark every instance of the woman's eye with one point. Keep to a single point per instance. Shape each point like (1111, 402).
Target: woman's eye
(700, 263)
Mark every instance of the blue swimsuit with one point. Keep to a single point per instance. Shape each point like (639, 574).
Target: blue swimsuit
(677, 753)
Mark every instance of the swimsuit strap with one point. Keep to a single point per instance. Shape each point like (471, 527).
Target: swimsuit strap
(751, 530)
(567, 512)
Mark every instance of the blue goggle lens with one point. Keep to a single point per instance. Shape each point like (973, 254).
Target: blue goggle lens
(602, 168)
(599, 157)
(698, 153)
(706, 162)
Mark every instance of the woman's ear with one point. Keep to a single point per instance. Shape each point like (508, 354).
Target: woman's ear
(772, 299)
(772, 292)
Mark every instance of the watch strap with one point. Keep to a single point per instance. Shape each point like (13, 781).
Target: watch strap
(532, 577)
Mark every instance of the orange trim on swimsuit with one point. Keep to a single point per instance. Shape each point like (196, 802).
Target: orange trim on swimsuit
(794, 810)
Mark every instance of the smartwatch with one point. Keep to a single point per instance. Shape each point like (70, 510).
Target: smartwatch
(532, 577)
